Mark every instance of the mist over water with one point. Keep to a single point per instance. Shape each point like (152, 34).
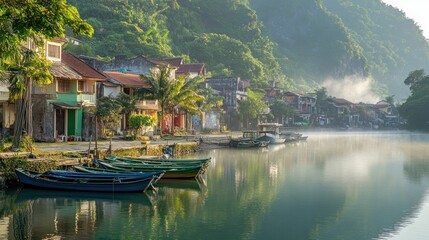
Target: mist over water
(336, 185)
(353, 88)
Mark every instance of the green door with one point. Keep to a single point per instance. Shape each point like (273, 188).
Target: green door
(71, 122)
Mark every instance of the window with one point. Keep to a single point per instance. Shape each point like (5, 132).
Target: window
(80, 86)
(63, 86)
(54, 51)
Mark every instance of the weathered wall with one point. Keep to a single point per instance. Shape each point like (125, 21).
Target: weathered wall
(88, 125)
(43, 118)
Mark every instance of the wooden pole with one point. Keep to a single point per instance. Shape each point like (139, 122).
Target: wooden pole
(96, 138)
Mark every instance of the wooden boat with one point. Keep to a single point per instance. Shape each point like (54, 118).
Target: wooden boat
(101, 176)
(172, 171)
(247, 143)
(153, 160)
(44, 180)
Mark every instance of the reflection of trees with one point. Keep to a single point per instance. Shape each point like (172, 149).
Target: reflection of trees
(306, 191)
(22, 223)
(416, 169)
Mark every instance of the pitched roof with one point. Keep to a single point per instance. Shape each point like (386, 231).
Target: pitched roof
(81, 67)
(128, 79)
(341, 101)
(62, 71)
(177, 62)
(185, 69)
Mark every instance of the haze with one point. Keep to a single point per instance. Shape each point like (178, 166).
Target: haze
(416, 10)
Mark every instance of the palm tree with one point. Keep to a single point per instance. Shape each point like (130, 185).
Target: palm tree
(171, 92)
(29, 68)
(127, 104)
(186, 94)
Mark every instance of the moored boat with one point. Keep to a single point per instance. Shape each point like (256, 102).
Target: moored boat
(95, 184)
(171, 171)
(159, 161)
(247, 143)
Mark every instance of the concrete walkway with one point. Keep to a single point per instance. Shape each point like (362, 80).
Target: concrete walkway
(117, 143)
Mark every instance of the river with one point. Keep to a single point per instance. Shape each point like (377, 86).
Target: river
(335, 185)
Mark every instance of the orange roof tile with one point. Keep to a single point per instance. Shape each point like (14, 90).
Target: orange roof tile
(82, 68)
(128, 79)
(189, 68)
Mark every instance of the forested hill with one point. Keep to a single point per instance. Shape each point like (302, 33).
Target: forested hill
(296, 42)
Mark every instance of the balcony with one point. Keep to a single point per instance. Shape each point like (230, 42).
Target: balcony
(75, 98)
(147, 105)
(4, 96)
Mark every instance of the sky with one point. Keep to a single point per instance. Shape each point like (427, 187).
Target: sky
(416, 10)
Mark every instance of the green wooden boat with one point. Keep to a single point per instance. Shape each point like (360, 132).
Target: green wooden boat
(171, 171)
(159, 161)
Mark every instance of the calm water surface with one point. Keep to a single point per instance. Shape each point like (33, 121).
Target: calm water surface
(334, 186)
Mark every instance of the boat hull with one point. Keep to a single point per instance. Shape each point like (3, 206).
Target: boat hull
(37, 180)
(170, 171)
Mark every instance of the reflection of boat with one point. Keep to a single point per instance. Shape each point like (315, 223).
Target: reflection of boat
(27, 194)
(293, 137)
(45, 180)
(191, 184)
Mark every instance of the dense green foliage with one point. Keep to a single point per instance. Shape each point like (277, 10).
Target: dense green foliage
(415, 109)
(138, 121)
(21, 21)
(224, 34)
(321, 39)
(172, 93)
(306, 41)
(109, 111)
(250, 108)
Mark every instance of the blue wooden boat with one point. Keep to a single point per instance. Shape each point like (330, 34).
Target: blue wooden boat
(102, 175)
(115, 184)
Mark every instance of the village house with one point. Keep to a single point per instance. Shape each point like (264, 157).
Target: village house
(7, 111)
(128, 83)
(64, 107)
(232, 90)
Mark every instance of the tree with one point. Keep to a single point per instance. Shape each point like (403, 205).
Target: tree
(170, 92)
(127, 103)
(35, 20)
(280, 109)
(414, 109)
(108, 110)
(138, 121)
(251, 107)
(186, 96)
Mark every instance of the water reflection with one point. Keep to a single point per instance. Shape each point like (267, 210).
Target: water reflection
(334, 186)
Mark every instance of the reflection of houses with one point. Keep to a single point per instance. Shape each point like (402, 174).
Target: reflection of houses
(63, 106)
(128, 83)
(232, 90)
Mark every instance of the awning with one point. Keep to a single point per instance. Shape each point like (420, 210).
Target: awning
(63, 105)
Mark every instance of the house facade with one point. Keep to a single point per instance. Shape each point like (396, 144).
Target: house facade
(232, 92)
(65, 105)
(128, 83)
(7, 111)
